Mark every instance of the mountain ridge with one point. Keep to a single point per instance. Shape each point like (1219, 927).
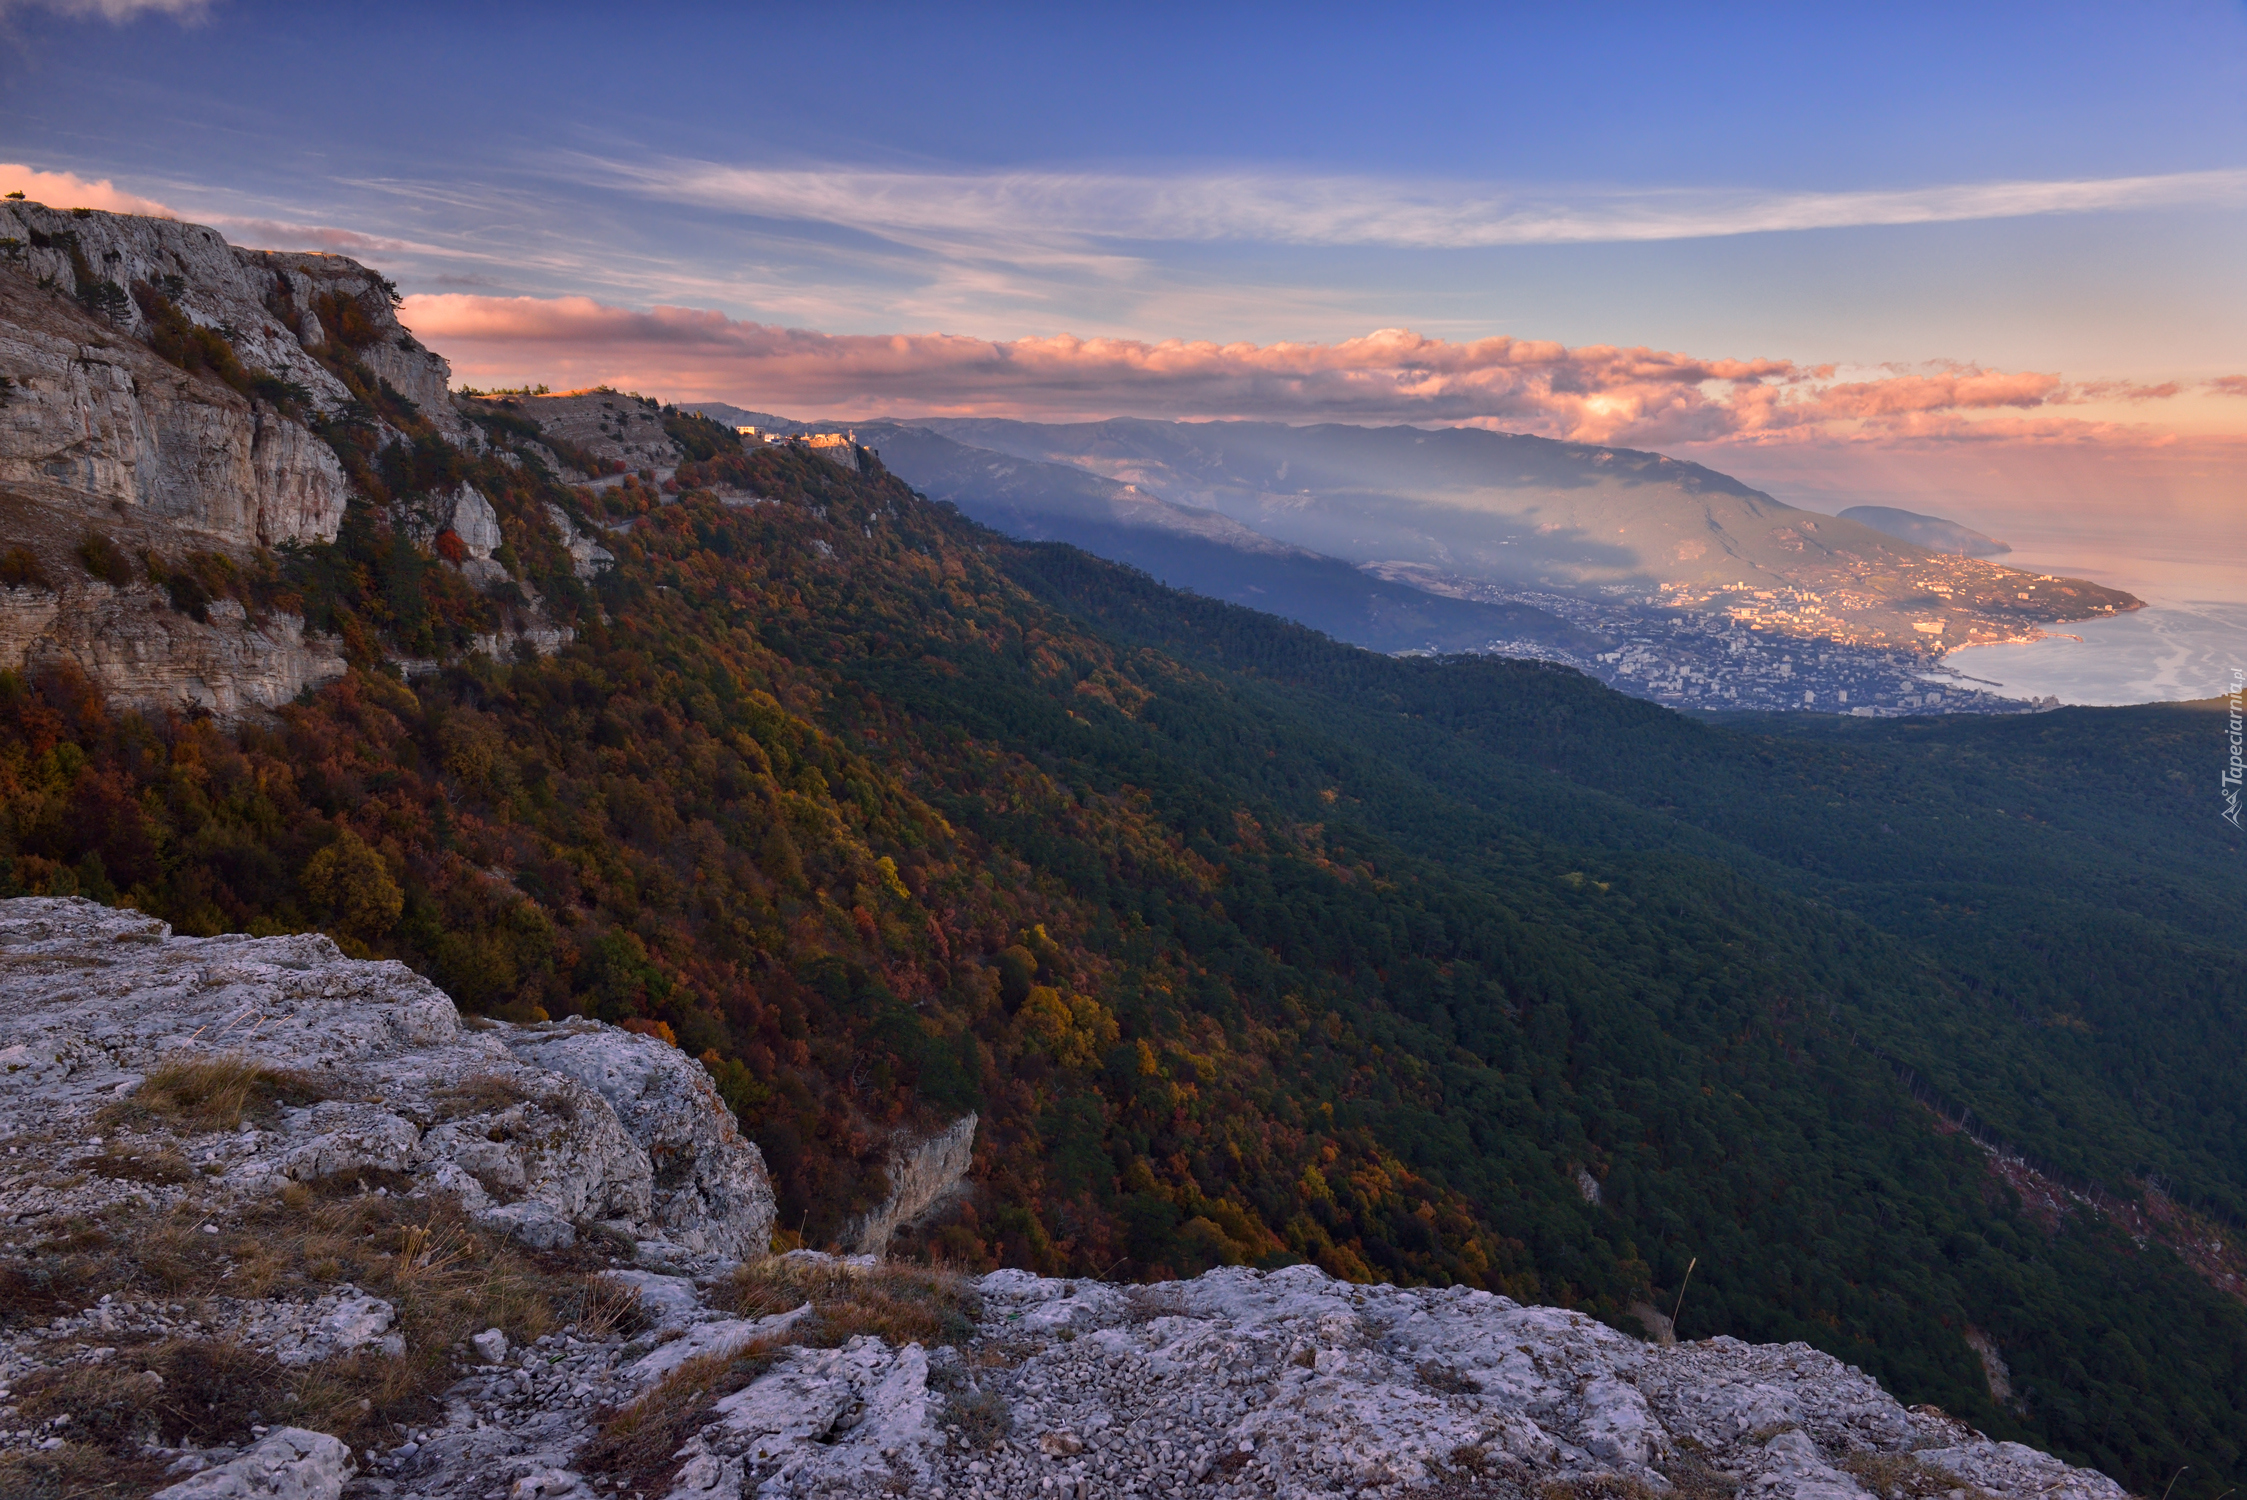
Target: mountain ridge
(1521, 511)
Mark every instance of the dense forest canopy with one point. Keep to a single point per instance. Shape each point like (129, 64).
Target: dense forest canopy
(1250, 947)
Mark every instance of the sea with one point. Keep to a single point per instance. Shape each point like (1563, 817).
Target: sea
(2185, 644)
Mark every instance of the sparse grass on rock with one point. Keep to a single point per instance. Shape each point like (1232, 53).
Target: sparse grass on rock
(896, 1302)
(209, 1091)
(1902, 1476)
(446, 1278)
(982, 1416)
(637, 1443)
(143, 1161)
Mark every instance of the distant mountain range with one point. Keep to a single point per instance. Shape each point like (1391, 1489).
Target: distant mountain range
(1192, 548)
(1932, 532)
(1426, 519)
(1189, 547)
(1452, 506)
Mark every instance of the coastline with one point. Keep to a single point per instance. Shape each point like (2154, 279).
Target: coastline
(2168, 651)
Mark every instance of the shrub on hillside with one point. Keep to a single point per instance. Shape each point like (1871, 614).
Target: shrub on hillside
(105, 560)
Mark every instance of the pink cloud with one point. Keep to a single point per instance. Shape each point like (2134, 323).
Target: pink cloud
(2229, 385)
(1949, 390)
(1592, 393)
(2124, 390)
(69, 190)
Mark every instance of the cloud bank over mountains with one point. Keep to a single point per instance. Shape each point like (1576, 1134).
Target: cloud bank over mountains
(1593, 393)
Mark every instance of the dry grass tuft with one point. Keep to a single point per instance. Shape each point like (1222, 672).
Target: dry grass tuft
(173, 1391)
(362, 1180)
(141, 1162)
(79, 1471)
(1445, 1381)
(204, 1391)
(436, 1254)
(1596, 1487)
(61, 1274)
(483, 1093)
(999, 1354)
(1470, 1472)
(1695, 1479)
(896, 1302)
(604, 1309)
(638, 1443)
(1900, 1476)
(212, 1091)
(982, 1417)
(447, 1279)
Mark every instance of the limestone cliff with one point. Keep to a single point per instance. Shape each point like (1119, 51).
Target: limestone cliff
(274, 307)
(159, 389)
(97, 423)
(145, 653)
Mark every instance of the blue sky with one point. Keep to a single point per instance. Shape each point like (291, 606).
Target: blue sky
(2054, 193)
(513, 135)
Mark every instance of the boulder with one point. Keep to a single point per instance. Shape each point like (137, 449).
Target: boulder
(287, 1464)
(540, 1130)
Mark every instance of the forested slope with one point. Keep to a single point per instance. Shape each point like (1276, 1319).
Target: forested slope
(1250, 946)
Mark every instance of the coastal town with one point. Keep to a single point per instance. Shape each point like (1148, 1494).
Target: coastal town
(1765, 654)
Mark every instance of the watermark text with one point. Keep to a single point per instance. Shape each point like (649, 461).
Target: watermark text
(2235, 734)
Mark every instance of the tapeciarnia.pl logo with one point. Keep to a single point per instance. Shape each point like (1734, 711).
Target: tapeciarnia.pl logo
(2236, 767)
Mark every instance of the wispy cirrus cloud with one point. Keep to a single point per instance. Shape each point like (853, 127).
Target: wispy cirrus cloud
(117, 12)
(276, 234)
(1594, 393)
(1261, 207)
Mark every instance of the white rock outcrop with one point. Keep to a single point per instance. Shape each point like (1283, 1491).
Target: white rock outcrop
(923, 1176)
(1290, 1383)
(1244, 1383)
(588, 558)
(147, 656)
(99, 433)
(518, 1121)
(265, 300)
(287, 1464)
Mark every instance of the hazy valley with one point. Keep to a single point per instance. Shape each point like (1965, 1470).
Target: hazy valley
(1683, 585)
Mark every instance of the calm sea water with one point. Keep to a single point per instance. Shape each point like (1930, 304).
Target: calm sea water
(2191, 569)
(2163, 652)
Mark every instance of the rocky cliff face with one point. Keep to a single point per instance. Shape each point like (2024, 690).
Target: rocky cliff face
(99, 432)
(607, 425)
(923, 1176)
(143, 652)
(96, 421)
(698, 1369)
(273, 306)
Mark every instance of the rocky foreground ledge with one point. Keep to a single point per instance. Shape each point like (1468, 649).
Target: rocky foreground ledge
(275, 1223)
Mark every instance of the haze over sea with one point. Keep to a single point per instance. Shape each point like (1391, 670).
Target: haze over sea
(2190, 566)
